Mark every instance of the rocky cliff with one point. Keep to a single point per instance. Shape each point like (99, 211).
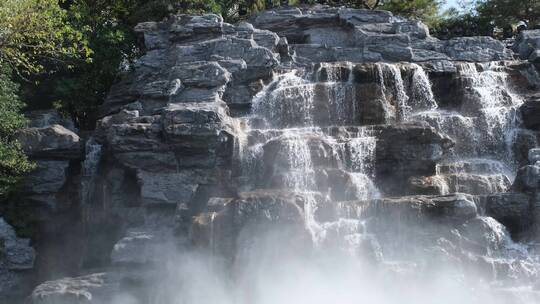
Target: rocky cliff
(339, 128)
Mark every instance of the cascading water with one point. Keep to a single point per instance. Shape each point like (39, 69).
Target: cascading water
(484, 129)
(302, 153)
(304, 139)
(90, 167)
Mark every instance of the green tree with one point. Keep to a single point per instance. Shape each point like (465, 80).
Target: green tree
(13, 163)
(425, 10)
(505, 12)
(34, 34)
(107, 25)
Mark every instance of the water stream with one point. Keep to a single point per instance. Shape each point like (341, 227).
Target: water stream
(306, 137)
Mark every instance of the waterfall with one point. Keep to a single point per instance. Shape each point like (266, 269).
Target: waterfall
(483, 128)
(393, 86)
(421, 98)
(89, 171)
(298, 159)
(303, 139)
(294, 107)
(286, 102)
(491, 98)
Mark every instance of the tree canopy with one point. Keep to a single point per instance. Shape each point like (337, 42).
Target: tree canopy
(34, 35)
(13, 163)
(36, 32)
(504, 12)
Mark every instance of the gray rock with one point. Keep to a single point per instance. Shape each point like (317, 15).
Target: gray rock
(246, 218)
(200, 74)
(534, 156)
(404, 151)
(458, 207)
(95, 288)
(535, 56)
(50, 141)
(530, 111)
(45, 118)
(477, 49)
(121, 117)
(186, 120)
(149, 160)
(527, 43)
(511, 209)
(330, 34)
(190, 61)
(16, 256)
(172, 188)
(48, 177)
(527, 179)
(135, 137)
(470, 183)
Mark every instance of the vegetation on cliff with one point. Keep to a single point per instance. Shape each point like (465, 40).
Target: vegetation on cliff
(13, 162)
(35, 37)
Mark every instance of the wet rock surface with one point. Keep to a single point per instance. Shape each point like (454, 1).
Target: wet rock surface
(531, 112)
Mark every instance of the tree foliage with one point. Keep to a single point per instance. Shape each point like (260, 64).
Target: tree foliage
(496, 18)
(35, 32)
(13, 163)
(425, 10)
(34, 36)
(504, 12)
(107, 26)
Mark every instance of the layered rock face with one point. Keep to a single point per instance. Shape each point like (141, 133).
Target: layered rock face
(308, 132)
(528, 45)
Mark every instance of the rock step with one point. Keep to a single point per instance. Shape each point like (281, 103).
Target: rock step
(472, 165)
(470, 183)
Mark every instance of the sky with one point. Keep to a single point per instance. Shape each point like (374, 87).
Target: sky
(449, 3)
(446, 4)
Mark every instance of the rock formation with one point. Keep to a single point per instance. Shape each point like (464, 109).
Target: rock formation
(335, 127)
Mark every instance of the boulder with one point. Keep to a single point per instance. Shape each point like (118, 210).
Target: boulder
(50, 141)
(48, 177)
(194, 59)
(45, 118)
